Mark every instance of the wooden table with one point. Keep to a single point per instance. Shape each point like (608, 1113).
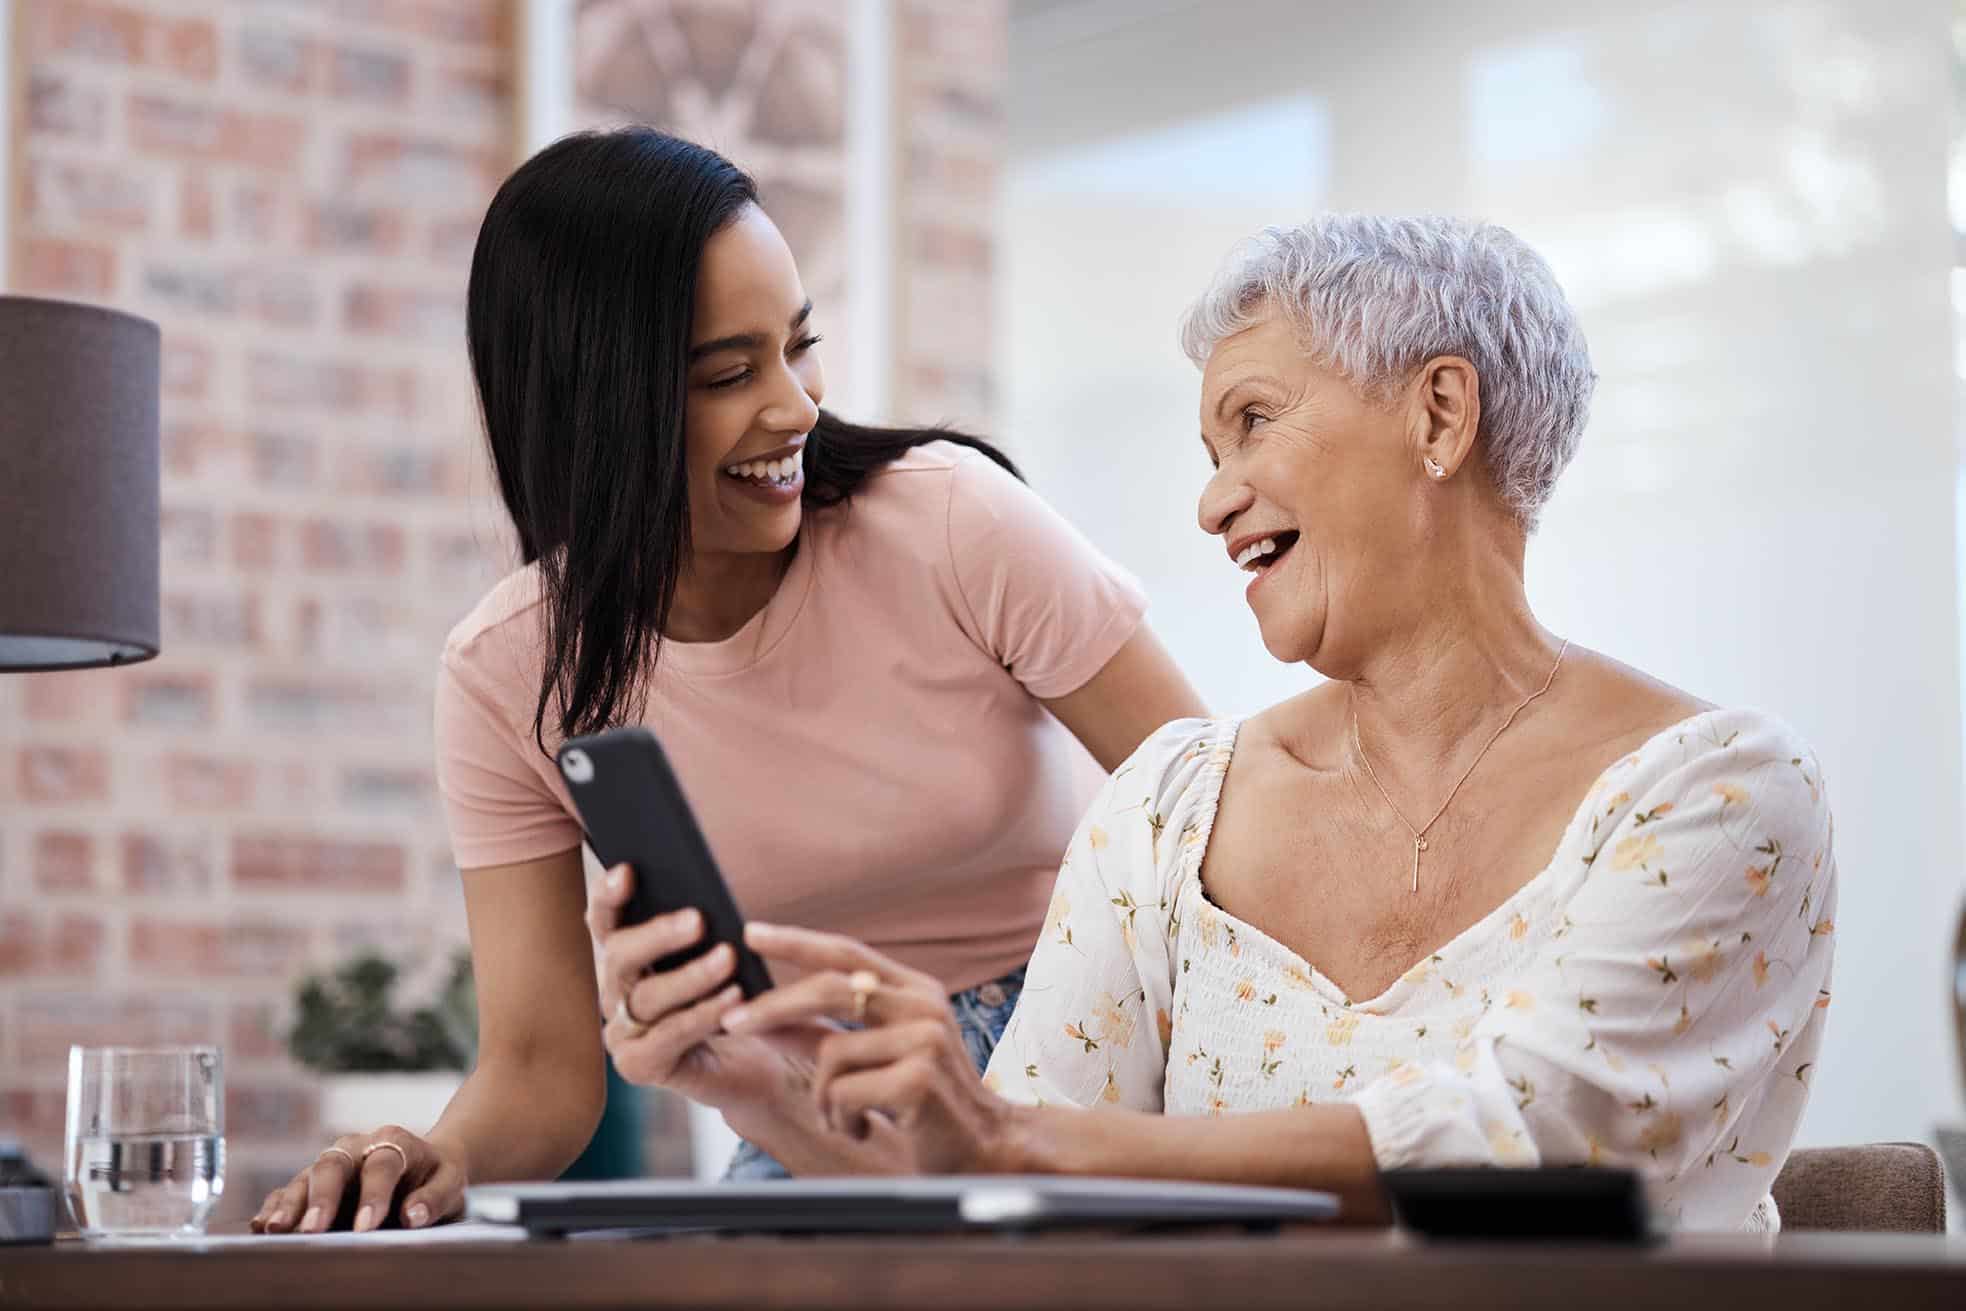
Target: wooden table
(1296, 1268)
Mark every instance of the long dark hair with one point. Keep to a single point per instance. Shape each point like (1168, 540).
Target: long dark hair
(578, 315)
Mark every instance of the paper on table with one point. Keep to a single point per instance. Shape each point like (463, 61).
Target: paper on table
(464, 1231)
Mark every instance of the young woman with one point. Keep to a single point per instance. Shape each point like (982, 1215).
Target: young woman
(889, 676)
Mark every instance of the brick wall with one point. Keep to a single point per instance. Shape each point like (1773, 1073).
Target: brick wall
(291, 190)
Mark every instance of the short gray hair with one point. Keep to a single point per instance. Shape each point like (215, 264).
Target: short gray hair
(1374, 297)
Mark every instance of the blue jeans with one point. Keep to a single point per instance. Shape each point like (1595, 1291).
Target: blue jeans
(981, 1014)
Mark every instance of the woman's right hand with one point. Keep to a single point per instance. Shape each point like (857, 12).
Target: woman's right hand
(389, 1173)
(670, 1032)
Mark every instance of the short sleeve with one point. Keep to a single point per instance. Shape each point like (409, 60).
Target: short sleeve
(1671, 1020)
(499, 810)
(1093, 1022)
(1040, 598)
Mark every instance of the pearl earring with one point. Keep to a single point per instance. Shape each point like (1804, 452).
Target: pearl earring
(1434, 467)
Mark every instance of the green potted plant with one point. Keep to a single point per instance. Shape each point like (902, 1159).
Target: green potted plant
(380, 1062)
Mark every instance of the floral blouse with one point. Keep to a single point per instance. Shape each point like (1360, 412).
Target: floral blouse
(1654, 997)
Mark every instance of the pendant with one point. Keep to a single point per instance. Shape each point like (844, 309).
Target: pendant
(1419, 845)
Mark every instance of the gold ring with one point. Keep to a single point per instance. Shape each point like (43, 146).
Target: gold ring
(382, 1143)
(342, 1152)
(627, 1019)
(863, 983)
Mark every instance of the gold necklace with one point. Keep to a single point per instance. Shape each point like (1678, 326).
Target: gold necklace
(1420, 834)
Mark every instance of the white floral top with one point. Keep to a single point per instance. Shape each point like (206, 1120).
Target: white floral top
(1655, 996)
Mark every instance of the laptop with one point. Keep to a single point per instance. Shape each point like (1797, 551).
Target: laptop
(888, 1205)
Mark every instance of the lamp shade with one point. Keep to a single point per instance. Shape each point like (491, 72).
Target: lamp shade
(78, 485)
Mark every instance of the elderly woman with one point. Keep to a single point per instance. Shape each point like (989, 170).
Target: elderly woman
(1483, 896)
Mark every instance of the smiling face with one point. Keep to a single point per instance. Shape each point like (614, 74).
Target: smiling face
(754, 390)
(1316, 492)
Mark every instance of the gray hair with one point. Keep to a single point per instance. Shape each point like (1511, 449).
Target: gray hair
(1373, 298)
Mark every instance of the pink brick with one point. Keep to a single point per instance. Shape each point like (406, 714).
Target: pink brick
(167, 863)
(196, 948)
(298, 863)
(40, 945)
(35, 1114)
(224, 620)
(65, 697)
(64, 862)
(465, 22)
(284, 298)
(200, 449)
(55, 775)
(72, 268)
(124, 34)
(328, 545)
(187, 367)
(452, 240)
(60, 192)
(197, 205)
(261, 214)
(256, 541)
(198, 782)
(177, 128)
(390, 311)
(48, 1021)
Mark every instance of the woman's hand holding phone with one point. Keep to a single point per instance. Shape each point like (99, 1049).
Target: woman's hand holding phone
(666, 1029)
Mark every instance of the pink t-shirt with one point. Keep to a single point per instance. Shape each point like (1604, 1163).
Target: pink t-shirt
(866, 755)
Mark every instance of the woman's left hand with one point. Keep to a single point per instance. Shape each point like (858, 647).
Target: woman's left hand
(905, 1075)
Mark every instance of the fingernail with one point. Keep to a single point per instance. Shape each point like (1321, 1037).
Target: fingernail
(364, 1219)
(735, 1019)
(617, 878)
(313, 1214)
(417, 1215)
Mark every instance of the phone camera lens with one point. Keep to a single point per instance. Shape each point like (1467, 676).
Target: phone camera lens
(577, 767)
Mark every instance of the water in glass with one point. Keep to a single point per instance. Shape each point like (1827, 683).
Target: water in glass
(146, 1141)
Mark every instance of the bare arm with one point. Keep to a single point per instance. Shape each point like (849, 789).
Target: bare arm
(1137, 691)
(902, 1094)
(532, 1102)
(1324, 1147)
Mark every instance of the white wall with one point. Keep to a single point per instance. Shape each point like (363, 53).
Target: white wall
(1747, 202)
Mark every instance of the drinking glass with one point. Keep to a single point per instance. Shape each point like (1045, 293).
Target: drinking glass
(146, 1140)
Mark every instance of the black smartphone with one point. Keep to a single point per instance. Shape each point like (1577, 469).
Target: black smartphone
(1493, 1202)
(633, 808)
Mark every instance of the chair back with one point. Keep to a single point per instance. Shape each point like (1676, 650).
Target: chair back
(1895, 1187)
